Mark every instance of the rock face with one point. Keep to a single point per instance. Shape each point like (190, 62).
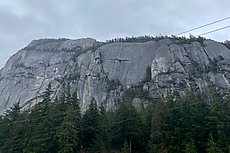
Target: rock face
(107, 71)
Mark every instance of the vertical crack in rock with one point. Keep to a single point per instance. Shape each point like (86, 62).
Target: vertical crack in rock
(105, 72)
(7, 101)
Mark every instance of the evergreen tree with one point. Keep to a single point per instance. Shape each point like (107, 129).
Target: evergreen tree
(128, 127)
(172, 125)
(176, 121)
(193, 124)
(39, 136)
(190, 148)
(213, 147)
(156, 143)
(14, 130)
(75, 103)
(47, 95)
(67, 133)
(126, 148)
(90, 127)
(104, 137)
(219, 110)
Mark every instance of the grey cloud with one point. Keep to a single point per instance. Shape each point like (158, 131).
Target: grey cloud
(24, 20)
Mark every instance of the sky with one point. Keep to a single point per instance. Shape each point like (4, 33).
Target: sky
(22, 21)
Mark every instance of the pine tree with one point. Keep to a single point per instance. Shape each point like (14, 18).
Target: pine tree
(175, 121)
(75, 103)
(217, 118)
(213, 147)
(90, 127)
(125, 148)
(47, 94)
(128, 127)
(67, 133)
(15, 130)
(193, 123)
(104, 137)
(156, 143)
(39, 136)
(190, 148)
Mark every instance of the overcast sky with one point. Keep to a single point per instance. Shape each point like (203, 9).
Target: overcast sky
(24, 20)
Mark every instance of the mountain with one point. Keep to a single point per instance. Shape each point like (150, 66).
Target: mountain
(137, 69)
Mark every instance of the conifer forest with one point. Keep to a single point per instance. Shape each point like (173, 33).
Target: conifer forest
(169, 125)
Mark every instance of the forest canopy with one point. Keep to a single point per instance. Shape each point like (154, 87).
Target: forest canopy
(173, 125)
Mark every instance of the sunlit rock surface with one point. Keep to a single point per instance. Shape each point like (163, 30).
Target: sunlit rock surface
(105, 71)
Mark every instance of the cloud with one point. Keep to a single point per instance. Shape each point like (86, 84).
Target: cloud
(25, 20)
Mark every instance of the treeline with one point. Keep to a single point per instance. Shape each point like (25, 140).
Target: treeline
(188, 125)
(175, 39)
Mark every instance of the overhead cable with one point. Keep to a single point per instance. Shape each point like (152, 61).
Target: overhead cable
(205, 25)
(213, 31)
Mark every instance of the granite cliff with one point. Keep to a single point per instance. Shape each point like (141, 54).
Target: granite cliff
(107, 71)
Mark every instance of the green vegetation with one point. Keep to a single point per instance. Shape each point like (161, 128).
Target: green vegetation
(188, 125)
(174, 39)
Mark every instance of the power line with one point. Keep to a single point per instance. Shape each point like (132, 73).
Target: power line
(208, 24)
(213, 31)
